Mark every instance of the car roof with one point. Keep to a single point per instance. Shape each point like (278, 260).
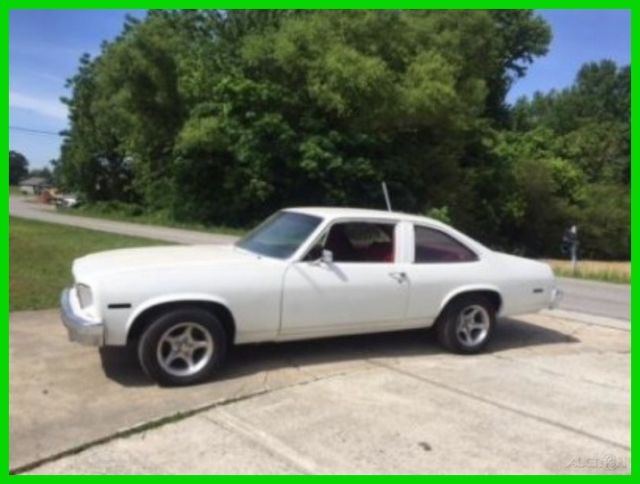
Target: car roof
(346, 212)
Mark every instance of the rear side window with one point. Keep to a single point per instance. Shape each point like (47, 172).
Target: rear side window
(436, 246)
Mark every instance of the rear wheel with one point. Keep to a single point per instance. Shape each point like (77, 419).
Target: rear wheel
(467, 324)
(182, 347)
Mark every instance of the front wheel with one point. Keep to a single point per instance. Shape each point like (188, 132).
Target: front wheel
(182, 347)
(467, 324)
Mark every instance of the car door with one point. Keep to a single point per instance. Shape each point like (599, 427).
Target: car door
(360, 290)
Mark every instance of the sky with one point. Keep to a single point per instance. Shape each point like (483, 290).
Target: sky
(579, 36)
(44, 48)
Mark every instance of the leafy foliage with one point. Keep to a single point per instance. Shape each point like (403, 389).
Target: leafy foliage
(582, 135)
(18, 167)
(224, 117)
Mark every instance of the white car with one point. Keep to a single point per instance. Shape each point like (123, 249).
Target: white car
(66, 201)
(303, 273)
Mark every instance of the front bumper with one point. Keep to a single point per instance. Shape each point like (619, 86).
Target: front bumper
(80, 329)
(556, 297)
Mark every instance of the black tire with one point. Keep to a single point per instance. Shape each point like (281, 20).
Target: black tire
(204, 330)
(449, 327)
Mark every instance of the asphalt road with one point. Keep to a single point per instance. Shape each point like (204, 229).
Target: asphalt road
(23, 208)
(596, 298)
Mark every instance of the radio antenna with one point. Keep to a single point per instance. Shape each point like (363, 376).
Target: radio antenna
(386, 196)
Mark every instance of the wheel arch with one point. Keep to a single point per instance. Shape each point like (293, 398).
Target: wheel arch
(491, 292)
(148, 311)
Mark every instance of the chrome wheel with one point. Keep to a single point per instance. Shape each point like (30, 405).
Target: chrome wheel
(184, 349)
(473, 325)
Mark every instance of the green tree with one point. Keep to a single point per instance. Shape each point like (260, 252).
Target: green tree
(223, 117)
(18, 167)
(587, 127)
(93, 161)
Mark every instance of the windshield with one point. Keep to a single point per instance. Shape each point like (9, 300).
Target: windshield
(280, 235)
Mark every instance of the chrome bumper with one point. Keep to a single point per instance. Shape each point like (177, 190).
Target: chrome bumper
(556, 297)
(80, 329)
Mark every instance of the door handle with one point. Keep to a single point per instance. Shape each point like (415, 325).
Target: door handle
(398, 276)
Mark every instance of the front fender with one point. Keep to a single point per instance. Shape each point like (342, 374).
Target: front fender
(172, 298)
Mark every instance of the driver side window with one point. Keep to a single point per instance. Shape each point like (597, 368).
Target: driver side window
(357, 242)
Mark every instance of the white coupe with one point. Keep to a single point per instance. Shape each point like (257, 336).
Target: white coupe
(303, 273)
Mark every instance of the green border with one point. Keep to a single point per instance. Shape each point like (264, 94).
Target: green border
(7, 5)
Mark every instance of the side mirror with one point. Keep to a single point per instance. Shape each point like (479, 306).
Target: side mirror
(326, 257)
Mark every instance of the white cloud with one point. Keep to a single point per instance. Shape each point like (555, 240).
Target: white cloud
(45, 107)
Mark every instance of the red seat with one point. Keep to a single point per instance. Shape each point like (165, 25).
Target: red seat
(343, 250)
(379, 251)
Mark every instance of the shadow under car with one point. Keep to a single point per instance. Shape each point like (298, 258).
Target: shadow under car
(121, 365)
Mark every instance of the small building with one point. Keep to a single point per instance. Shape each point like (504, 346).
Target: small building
(34, 185)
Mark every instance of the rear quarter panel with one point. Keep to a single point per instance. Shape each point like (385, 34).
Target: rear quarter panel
(525, 285)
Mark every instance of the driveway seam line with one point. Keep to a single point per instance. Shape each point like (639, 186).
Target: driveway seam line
(238, 427)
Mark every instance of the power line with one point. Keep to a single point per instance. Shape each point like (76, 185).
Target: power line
(34, 131)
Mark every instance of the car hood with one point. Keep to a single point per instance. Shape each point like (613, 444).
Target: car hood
(153, 258)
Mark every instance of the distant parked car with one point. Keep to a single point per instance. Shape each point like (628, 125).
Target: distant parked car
(67, 201)
(303, 273)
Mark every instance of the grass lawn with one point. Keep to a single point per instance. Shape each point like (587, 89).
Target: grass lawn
(150, 218)
(608, 271)
(41, 255)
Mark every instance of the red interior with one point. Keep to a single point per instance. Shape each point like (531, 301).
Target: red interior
(338, 243)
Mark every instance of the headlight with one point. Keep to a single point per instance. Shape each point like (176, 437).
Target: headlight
(84, 295)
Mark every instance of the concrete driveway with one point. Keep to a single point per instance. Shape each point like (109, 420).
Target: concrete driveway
(551, 396)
